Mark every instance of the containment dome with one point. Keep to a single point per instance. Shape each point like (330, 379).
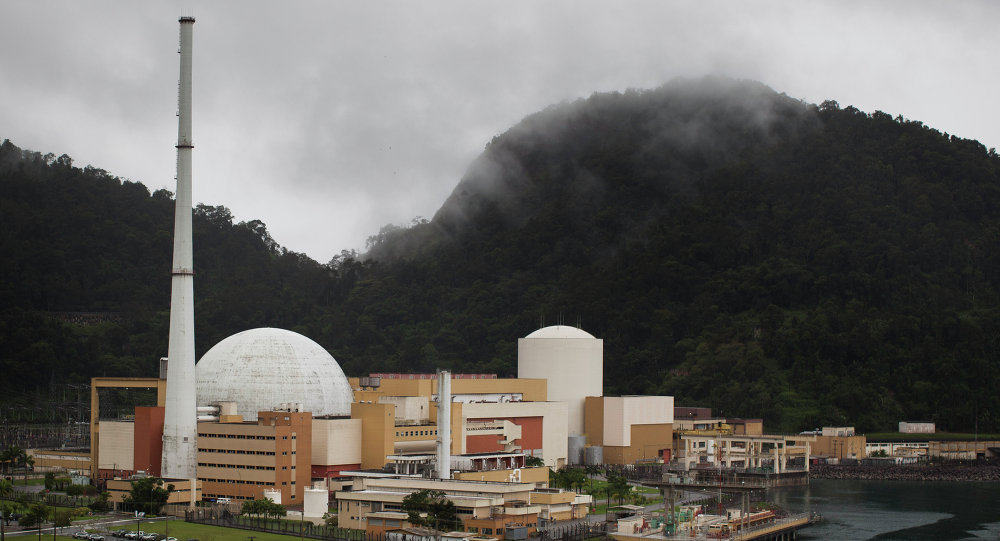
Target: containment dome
(560, 331)
(260, 369)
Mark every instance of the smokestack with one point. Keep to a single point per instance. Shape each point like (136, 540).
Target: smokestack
(444, 425)
(180, 427)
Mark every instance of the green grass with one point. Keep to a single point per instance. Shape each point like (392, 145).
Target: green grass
(939, 436)
(203, 532)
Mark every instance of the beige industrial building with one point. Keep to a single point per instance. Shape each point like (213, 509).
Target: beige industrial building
(487, 508)
(839, 443)
(631, 428)
(742, 451)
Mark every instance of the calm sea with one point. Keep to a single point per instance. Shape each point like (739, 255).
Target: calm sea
(891, 510)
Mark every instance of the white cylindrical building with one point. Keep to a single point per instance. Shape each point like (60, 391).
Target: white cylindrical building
(573, 363)
(180, 428)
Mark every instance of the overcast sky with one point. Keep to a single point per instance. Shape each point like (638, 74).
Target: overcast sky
(327, 120)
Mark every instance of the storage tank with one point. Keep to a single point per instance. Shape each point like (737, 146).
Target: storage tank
(571, 360)
(575, 450)
(316, 502)
(594, 456)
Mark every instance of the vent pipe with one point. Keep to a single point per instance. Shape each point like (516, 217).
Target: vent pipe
(180, 416)
(444, 425)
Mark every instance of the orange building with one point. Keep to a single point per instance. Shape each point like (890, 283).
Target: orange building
(240, 460)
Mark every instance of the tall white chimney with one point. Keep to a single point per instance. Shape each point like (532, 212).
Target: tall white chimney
(180, 427)
(444, 425)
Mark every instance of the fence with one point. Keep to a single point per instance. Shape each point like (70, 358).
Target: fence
(278, 526)
(56, 500)
(575, 532)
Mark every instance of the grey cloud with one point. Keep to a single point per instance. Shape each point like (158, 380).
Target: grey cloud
(327, 120)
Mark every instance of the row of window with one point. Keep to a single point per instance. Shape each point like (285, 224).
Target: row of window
(238, 466)
(238, 482)
(416, 433)
(237, 436)
(237, 452)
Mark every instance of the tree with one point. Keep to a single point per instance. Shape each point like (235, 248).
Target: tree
(27, 462)
(263, 507)
(35, 516)
(100, 505)
(533, 462)
(61, 517)
(148, 495)
(432, 509)
(618, 487)
(9, 457)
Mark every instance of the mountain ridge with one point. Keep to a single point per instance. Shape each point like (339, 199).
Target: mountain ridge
(734, 247)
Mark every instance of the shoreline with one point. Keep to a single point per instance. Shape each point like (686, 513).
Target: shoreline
(909, 472)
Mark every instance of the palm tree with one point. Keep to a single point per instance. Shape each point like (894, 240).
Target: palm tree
(8, 457)
(26, 461)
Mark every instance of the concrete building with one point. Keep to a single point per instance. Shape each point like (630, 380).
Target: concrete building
(631, 428)
(182, 492)
(916, 428)
(839, 442)
(242, 460)
(776, 453)
(489, 415)
(571, 361)
(964, 450)
(902, 449)
(485, 508)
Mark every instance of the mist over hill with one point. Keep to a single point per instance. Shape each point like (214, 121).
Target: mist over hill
(734, 247)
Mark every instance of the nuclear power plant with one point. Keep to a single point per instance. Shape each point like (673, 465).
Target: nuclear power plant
(270, 413)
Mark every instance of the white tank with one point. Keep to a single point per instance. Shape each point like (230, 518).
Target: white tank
(573, 363)
(316, 502)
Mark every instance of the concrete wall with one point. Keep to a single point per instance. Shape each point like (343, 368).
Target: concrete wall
(377, 432)
(148, 453)
(622, 412)
(117, 445)
(336, 441)
(412, 409)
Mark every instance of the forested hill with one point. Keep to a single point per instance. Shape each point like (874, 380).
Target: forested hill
(734, 247)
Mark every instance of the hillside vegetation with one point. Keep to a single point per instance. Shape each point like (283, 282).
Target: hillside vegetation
(734, 247)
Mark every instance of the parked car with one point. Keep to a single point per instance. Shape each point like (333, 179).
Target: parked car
(95, 537)
(81, 535)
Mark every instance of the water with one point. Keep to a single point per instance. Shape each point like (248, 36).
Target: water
(896, 510)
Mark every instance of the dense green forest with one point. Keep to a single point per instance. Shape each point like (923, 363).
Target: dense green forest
(734, 247)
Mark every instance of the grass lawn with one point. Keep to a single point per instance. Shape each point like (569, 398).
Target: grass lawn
(203, 532)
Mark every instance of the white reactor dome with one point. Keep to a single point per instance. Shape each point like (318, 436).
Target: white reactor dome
(560, 331)
(260, 369)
